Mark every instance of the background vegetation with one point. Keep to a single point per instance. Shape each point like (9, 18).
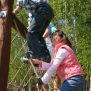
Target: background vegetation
(76, 23)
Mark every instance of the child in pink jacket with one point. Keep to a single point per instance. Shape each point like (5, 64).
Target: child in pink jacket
(65, 65)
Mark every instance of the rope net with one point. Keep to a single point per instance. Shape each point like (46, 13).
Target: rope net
(22, 75)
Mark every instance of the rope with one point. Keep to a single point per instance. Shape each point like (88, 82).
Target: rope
(35, 73)
(15, 75)
(32, 66)
(18, 53)
(30, 61)
(23, 79)
(14, 37)
(28, 81)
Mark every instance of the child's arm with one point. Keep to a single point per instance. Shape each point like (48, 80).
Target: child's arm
(61, 54)
(44, 66)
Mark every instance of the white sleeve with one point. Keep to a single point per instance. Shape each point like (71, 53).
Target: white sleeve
(61, 54)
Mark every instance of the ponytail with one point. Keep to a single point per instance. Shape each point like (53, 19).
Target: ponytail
(68, 42)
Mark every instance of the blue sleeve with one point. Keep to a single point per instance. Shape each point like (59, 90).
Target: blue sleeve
(52, 28)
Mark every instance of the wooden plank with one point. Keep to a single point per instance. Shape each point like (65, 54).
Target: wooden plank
(5, 35)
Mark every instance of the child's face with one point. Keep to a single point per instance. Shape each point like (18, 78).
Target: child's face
(56, 39)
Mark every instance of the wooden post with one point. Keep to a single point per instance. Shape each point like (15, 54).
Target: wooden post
(1, 42)
(5, 42)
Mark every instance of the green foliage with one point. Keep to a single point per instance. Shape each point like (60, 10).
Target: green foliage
(83, 46)
(77, 14)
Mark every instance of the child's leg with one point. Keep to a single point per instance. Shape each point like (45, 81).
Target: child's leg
(38, 49)
(36, 43)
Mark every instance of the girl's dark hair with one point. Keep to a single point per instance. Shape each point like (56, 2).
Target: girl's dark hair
(63, 36)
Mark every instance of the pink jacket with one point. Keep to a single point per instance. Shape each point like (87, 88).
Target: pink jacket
(69, 66)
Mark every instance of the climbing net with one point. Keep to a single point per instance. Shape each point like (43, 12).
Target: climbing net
(21, 75)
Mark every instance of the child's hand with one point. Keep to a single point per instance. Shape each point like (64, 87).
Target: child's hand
(39, 84)
(36, 61)
(39, 87)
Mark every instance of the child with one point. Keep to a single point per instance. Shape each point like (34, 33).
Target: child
(65, 65)
(47, 36)
(42, 14)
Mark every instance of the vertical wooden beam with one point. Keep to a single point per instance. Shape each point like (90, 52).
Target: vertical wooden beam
(1, 41)
(5, 42)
